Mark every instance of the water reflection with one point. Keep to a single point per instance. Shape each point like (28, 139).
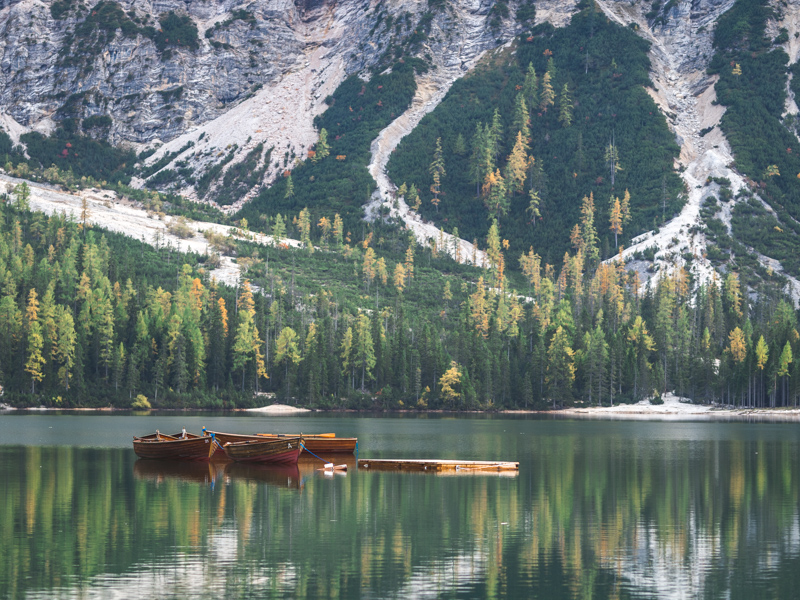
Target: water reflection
(611, 513)
(287, 476)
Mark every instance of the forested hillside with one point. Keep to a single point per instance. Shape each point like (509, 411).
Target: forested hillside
(92, 319)
(559, 115)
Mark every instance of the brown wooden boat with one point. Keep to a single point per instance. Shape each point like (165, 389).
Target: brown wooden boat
(277, 451)
(318, 443)
(180, 446)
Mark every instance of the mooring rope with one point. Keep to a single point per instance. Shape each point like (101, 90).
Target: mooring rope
(303, 446)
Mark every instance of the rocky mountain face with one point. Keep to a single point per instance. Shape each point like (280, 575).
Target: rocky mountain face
(209, 85)
(235, 74)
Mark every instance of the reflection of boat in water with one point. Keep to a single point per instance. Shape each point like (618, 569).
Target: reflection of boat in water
(180, 446)
(310, 465)
(265, 450)
(287, 476)
(320, 443)
(178, 470)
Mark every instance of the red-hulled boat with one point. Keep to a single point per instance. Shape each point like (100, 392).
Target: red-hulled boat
(181, 446)
(277, 451)
(318, 443)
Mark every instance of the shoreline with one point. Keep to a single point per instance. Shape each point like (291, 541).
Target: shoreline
(671, 410)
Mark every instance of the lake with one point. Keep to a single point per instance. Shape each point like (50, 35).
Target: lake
(599, 509)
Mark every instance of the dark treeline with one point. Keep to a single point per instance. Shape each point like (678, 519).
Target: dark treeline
(97, 319)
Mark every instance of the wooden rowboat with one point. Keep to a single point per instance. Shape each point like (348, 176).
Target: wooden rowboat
(319, 443)
(323, 444)
(277, 451)
(180, 446)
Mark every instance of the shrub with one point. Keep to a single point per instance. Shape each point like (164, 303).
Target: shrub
(141, 403)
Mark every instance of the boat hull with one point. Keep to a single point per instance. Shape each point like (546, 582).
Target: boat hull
(318, 444)
(190, 448)
(283, 451)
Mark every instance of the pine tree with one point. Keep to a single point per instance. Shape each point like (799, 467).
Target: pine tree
(560, 367)
(65, 344)
(22, 195)
(450, 383)
(522, 120)
(762, 355)
(338, 231)
(399, 278)
(364, 349)
(35, 360)
(287, 352)
(783, 368)
(612, 159)
(596, 356)
(565, 107)
(530, 264)
(437, 170)
(547, 97)
(460, 145)
(481, 161)
(278, 229)
(494, 135)
(322, 149)
(368, 268)
(616, 220)
(409, 264)
(413, 197)
(495, 196)
(625, 207)
(304, 227)
(516, 167)
(530, 86)
(346, 354)
(588, 231)
(479, 308)
(289, 187)
(246, 344)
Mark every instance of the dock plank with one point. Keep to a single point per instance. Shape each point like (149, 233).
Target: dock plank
(435, 465)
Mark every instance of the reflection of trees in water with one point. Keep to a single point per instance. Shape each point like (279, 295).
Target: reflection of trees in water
(588, 515)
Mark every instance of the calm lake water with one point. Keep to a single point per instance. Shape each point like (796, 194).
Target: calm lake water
(599, 509)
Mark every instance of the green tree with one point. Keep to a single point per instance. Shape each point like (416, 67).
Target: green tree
(450, 384)
(516, 166)
(437, 170)
(522, 120)
(65, 344)
(548, 95)
(35, 359)
(495, 195)
(560, 367)
(565, 107)
(246, 344)
(304, 226)
(22, 196)
(364, 349)
(287, 352)
(530, 86)
(322, 148)
(289, 187)
(278, 229)
(612, 160)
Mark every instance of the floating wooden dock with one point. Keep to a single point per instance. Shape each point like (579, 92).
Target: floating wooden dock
(435, 465)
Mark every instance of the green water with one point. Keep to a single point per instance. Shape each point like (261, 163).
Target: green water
(600, 509)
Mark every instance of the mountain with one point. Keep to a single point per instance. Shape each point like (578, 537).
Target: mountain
(625, 176)
(222, 100)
